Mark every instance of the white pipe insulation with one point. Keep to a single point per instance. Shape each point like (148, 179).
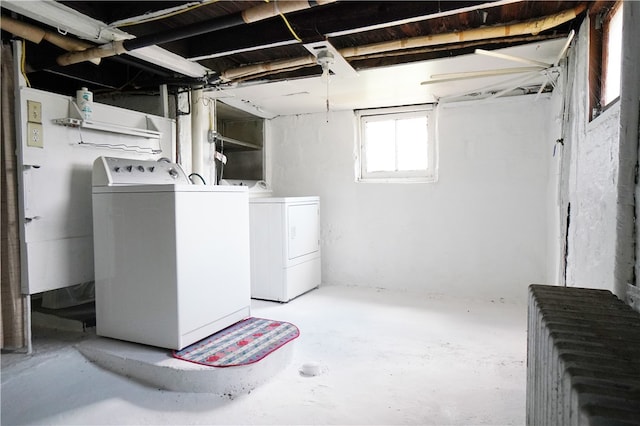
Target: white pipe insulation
(211, 146)
(199, 123)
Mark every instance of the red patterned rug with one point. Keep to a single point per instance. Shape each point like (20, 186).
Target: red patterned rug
(245, 342)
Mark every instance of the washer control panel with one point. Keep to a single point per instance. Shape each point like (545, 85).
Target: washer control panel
(110, 171)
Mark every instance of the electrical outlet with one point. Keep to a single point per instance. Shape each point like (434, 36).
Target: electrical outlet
(35, 136)
(34, 110)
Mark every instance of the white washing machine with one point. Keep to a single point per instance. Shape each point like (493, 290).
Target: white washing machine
(171, 259)
(285, 246)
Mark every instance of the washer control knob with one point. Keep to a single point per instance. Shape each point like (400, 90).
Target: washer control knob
(129, 168)
(152, 168)
(173, 173)
(116, 169)
(141, 168)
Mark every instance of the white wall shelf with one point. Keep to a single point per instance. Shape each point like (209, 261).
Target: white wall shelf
(237, 144)
(75, 119)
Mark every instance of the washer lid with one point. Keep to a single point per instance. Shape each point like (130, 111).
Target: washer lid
(309, 199)
(122, 189)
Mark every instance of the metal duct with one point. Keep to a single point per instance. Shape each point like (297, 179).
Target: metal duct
(258, 13)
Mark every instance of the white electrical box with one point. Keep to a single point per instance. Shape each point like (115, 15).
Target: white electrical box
(285, 246)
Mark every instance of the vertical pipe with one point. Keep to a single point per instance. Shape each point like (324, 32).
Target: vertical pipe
(183, 130)
(26, 306)
(164, 100)
(198, 131)
(213, 116)
(267, 152)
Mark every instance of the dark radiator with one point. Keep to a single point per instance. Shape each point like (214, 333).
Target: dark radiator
(583, 358)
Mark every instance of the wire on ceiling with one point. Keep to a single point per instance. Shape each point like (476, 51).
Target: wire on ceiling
(286, 21)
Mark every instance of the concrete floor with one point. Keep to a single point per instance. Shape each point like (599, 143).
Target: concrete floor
(385, 357)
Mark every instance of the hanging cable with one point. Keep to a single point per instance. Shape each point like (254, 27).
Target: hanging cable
(198, 175)
(22, 63)
(286, 21)
(293, 33)
(327, 100)
(325, 59)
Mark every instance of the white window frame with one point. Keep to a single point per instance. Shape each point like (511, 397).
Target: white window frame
(430, 175)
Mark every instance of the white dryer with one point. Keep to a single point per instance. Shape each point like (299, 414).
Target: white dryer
(285, 246)
(171, 258)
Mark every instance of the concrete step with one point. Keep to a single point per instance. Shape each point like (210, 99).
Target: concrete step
(156, 367)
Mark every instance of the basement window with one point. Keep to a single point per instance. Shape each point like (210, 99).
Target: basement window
(612, 62)
(396, 145)
(605, 56)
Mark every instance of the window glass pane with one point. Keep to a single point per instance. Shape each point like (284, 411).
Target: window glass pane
(397, 145)
(411, 137)
(614, 58)
(380, 146)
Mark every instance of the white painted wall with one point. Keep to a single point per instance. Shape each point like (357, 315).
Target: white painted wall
(598, 176)
(592, 237)
(481, 230)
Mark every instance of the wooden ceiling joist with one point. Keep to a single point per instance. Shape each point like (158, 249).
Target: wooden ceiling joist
(532, 27)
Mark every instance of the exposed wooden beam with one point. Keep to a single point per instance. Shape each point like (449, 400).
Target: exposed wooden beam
(532, 27)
